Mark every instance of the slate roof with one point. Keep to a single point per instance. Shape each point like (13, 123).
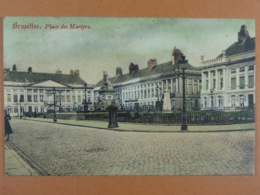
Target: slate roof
(163, 68)
(35, 77)
(236, 48)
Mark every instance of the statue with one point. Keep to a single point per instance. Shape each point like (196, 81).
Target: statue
(106, 82)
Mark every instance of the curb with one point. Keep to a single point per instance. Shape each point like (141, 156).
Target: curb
(148, 131)
(17, 165)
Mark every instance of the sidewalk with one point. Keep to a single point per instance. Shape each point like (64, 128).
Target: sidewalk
(134, 127)
(15, 165)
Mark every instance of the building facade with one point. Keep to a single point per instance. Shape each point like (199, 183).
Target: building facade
(228, 81)
(142, 88)
(33, 92)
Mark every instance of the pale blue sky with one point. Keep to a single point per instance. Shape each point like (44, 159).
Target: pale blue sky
(113, 42)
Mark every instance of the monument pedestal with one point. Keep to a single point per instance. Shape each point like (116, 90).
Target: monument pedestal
(112, 116)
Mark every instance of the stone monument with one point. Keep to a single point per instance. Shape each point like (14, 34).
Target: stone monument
(106, 93)
(167, 100)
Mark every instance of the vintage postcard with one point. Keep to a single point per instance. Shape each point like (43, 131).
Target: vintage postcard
(110, 96)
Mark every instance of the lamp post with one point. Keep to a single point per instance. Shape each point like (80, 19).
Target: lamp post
(158, 104)
(20, 108)
(211, 98)
(60, 101)
(85, 101)
(53, 91)
(54, 104)
(182, 65)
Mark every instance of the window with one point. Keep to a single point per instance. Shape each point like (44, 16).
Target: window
(241, 102)
(35, 90)
(63, 98)
(74, 98)
(214, 83)
(233, 101)
(242, 69)
(22, 98)
(29, 91)
(41, 98)
(233, 70)
(220, 72)
(242, 82)
(221, 83)
(233, 83)
(251, 81)
(251, 67)
(214, 73)
(9, 99)
(79, 99)
(220, 101)
(68, 98)
(15, 98)
(29, 97)
(190, 89)
(41, 90)
(35, 97)
(207, 84)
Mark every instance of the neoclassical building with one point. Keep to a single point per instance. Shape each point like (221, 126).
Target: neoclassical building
(33, 91)
(228, 81)
(142, 88)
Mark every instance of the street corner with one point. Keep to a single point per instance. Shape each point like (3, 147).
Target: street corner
(15, 165)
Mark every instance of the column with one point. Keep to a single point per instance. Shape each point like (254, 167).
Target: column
(246, 77)
(237, 78)
(193, 92)
(203, 81)
(171, 86)
(177, 85)
(225, 80)
(209, 77)
(217, 79)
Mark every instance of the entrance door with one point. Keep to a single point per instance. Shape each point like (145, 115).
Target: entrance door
(250, 100)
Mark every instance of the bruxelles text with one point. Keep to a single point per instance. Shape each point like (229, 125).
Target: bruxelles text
(50, 26)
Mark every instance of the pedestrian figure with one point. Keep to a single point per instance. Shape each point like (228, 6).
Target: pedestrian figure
(8, 129)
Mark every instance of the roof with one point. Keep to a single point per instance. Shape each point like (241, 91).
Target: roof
(237, 48)
(163, 68)
(35, 77)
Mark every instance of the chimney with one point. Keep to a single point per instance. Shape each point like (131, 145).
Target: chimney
(133, 68)
(14, 68)
(118, 71)
(151, 63)
(76, 72)
(71, 72)
(30, 69)
(243, 34)
(58, 71)
(176, 55)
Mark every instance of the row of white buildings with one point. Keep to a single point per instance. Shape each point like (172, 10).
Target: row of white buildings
(224, 83)
(33, 92)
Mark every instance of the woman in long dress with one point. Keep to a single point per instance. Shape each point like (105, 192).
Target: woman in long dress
(8, 129)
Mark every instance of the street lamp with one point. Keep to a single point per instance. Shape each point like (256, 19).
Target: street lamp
(85, 101)
(182, 65)
(54, 104)
(20, 107)
(211, 96)
(157, 94)
(53, 91)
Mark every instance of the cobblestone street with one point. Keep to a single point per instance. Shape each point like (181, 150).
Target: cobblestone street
(56, 149)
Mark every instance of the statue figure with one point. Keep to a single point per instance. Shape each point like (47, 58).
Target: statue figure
(106, 81)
